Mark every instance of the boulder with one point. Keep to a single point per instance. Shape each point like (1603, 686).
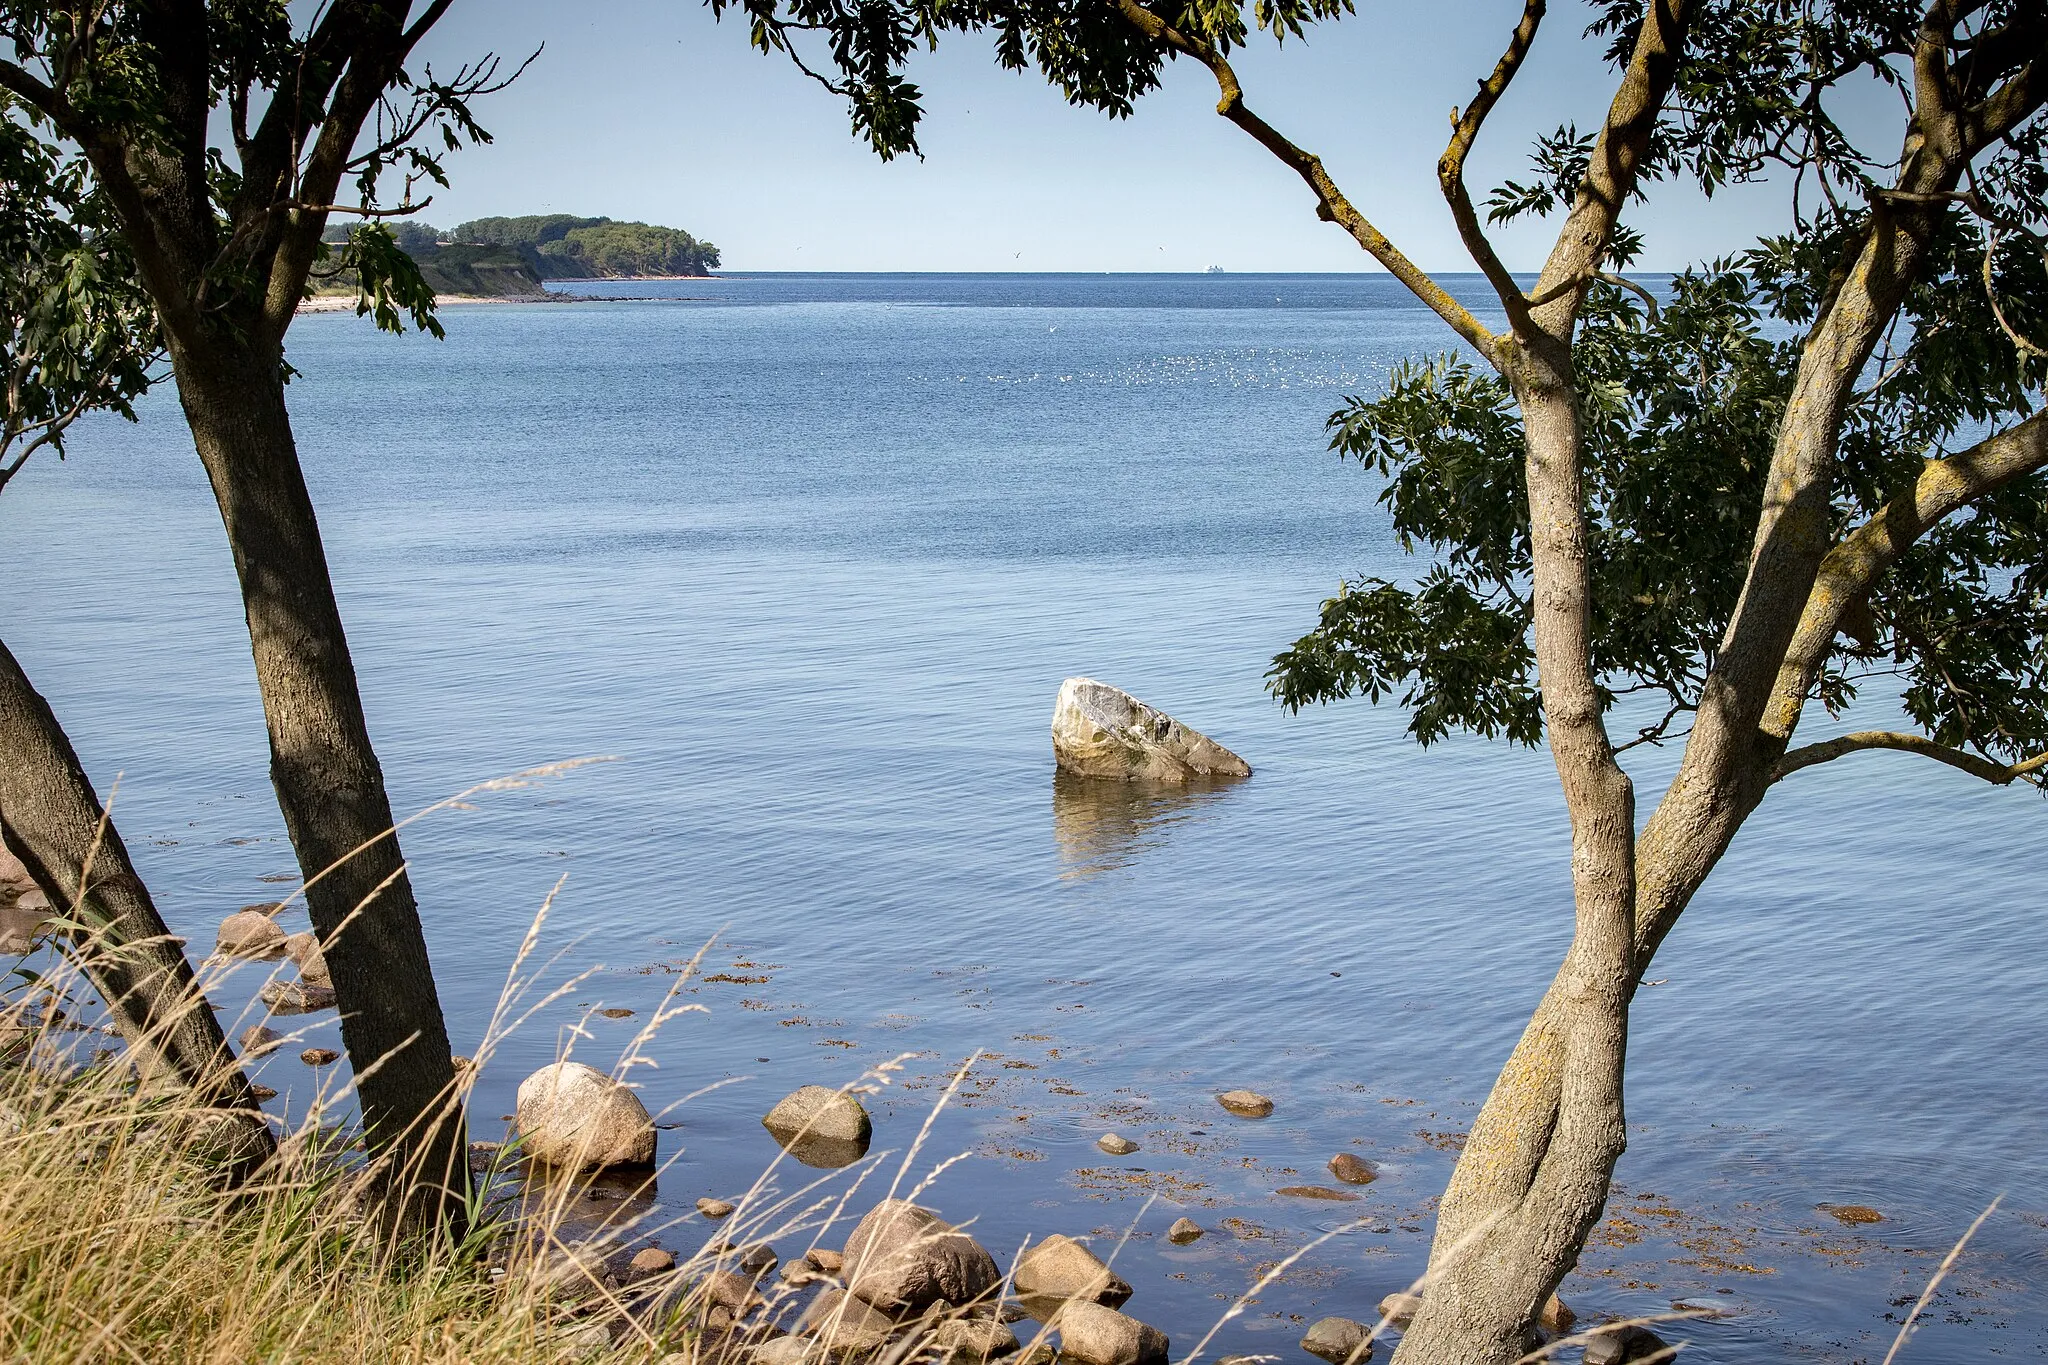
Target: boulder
(296, 997)
(843, 1324)
(575, 1117)
(1058, 1270)
(18, 928)
(971, 1340)
(304, 951)
(815, 1112)
(1103, 731)
(902, 1258)
(1398, 1310)
(652, 1261)
(1353, 1170)
(1116, 1145)
(1246, 1104)
(1093, 1335)
(256, 1040)
(1621, 1345)
(251, 932)
(1183, 1231)
(1339, 1341)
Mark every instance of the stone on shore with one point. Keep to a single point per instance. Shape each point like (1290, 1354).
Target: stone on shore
(780, 1351)
(1094, 1335)
(1116, 1144)
(1353, 1170)
(902, 1258)
(1622, 1345)
(714, 1208)
(1398, 1310)
(652, 1261)
(304, 950)
(1183, 1231)
(732, 1290)
(826, 1259)
(1060, 1270)
(972, 1340)
(1246, 1104)
(1339, 1341)
(843, 1324)
(575, 1117)
(1103, 731)
(251, 932)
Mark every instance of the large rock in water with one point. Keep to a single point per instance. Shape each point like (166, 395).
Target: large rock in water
(903, 1258)
(576, 1117)
(1103, 731)
(1059, 1269)
(1094, 1335)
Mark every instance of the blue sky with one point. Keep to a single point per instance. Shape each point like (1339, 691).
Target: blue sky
(654, 111)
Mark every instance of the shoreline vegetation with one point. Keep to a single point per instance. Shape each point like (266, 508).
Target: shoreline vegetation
(511, 259)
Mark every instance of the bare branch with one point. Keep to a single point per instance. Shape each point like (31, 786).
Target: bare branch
(1331, 205)
(1450, 169)
(1998, 774)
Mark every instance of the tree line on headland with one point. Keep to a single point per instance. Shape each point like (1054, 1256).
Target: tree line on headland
(512, 256)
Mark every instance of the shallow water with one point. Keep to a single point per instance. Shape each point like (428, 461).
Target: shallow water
(809, 557)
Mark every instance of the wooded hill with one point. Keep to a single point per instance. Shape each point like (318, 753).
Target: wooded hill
(510, 256)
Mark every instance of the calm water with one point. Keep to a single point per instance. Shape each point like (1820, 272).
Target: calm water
(810, 556)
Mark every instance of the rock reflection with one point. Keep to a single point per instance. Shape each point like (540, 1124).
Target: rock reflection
(602, 1204)
(825, 1153)
(1103, 825)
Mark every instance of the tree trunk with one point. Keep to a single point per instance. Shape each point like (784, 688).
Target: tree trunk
(329, 785)
(52, 820)
(1532, 1181)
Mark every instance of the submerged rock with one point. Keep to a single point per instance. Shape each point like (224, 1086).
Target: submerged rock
(1094, 1335)
(576, 1117)
(902, 1258)
(1183, 1231)
(251, 932)
(1103, 731)
(256, 1040)
(1246, 1104)
(1318, 1192)
(1059, 1270)
(296, 997)
(1339, 1341)
(1353, 1170)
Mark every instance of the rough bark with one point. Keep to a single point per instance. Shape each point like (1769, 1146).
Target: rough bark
(329, 785)
(53, 821)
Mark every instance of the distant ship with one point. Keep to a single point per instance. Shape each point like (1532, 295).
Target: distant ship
(1215, 270)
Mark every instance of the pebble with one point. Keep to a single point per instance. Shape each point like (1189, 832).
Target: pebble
(1246, 1104)
(1183, 1231)
(714, 1208)
(1116, 1145)
(1353, 1170)
(319, 1056)
(1339, 1341)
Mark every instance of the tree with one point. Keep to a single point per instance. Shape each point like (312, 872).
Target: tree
(79, 336)
(225, 236)
(1632, 495)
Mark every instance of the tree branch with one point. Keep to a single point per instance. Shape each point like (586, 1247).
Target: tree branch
(1998, 774)
(1450, 168)
(1853, 566)
(1331, 205)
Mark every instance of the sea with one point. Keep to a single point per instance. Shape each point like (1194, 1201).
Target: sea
(803, 559)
